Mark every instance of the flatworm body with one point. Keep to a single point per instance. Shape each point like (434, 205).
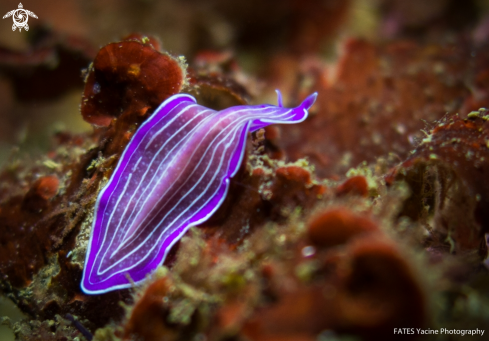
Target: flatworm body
(173, 174)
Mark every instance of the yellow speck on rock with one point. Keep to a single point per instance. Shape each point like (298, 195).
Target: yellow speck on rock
(134, 69)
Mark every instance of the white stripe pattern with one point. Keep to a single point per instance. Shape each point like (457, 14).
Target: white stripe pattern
(174, 174)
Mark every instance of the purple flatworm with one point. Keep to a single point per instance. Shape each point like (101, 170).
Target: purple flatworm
(173, 174)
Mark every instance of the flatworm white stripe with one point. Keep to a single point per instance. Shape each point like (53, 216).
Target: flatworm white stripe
(174, 174)
(174, 220)
(142, 193)
(190, 204)
(210, 129)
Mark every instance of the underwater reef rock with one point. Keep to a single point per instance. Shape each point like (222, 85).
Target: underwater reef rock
(375, 100)
(367, 290)
(447, 174)
(39, 225)
(269, 193)
(277, 287)
(49, 330)
(304, 247)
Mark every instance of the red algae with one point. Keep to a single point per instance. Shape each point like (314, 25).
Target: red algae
(129, 78)
(356, 185)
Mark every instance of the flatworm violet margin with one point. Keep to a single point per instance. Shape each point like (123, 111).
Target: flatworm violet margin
(173, 174)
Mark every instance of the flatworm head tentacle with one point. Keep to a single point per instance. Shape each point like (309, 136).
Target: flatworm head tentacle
(279, 99)
(294, 115)
(174, 174)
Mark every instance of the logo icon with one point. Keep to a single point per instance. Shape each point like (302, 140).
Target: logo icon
(20, 17)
